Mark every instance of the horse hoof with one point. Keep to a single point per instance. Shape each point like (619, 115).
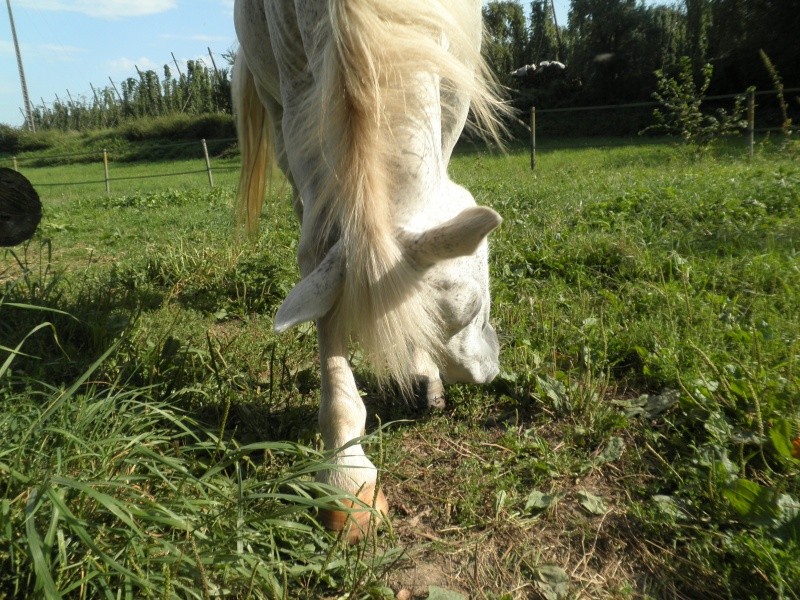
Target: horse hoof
(429, 395)
(432, 405)
(358, 522)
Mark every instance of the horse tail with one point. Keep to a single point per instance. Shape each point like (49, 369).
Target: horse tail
(366, 70)
(255, 145)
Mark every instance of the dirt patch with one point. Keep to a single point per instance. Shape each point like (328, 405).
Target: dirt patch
(462, 534)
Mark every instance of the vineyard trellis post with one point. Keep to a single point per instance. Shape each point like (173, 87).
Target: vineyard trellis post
(751, 121)
(28, 113)
(114, 85)
(105, 169)
(177, 66)
(208, 163)
(213, 62)
(533, 138)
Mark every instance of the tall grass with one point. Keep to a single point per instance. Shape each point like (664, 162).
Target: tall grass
(109, 494)
(110, 489)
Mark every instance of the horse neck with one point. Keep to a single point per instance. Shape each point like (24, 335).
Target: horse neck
(420, 168)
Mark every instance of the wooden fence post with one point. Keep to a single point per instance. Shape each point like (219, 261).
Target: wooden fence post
(14, 160)
(208, 163)
(105, 169)
(533, 138)
(751, 121)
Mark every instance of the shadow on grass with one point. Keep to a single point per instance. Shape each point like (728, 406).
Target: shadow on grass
(74, 324)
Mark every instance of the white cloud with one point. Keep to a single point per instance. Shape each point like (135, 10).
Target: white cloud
(202, 58)
(198, 37)
(56, 53)
(48, 52)
(103, 9)
(126, 67)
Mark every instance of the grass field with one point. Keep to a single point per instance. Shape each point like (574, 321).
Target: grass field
(642, 440)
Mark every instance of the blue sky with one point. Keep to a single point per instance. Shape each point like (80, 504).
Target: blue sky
(68, 44)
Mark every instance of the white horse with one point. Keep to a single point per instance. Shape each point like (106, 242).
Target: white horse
(361, 102)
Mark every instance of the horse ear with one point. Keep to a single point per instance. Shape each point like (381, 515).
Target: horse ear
(316, 293)
(460, 236)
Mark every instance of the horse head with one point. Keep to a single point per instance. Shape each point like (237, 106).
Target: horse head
(452, 263)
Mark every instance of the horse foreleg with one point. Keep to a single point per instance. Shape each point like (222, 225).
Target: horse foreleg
(342, 417)
(428, 387)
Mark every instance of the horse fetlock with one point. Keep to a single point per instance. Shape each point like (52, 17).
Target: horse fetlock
(429, 394)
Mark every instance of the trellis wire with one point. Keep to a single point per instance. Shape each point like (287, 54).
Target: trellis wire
(107, 179)
(750, 128)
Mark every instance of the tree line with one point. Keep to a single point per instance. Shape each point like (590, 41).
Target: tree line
(612, 48)
(197, 91)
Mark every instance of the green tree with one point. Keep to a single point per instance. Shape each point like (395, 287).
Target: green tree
(544, 39)
(507, 37)
(698, 22)
(740, 28)
(200, 90)
(616, 45)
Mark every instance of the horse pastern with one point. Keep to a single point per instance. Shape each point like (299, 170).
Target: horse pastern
(429, 395)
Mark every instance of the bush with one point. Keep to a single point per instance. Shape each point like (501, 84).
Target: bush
(180, 127)
(680, 113)
(14, 140)
(9, 139)
(147, 138)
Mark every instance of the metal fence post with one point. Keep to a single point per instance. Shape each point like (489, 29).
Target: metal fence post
(751, 121)
(533, 138)
(105, 169)
(208, 163)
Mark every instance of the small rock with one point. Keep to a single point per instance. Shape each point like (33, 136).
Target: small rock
(403, 594)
